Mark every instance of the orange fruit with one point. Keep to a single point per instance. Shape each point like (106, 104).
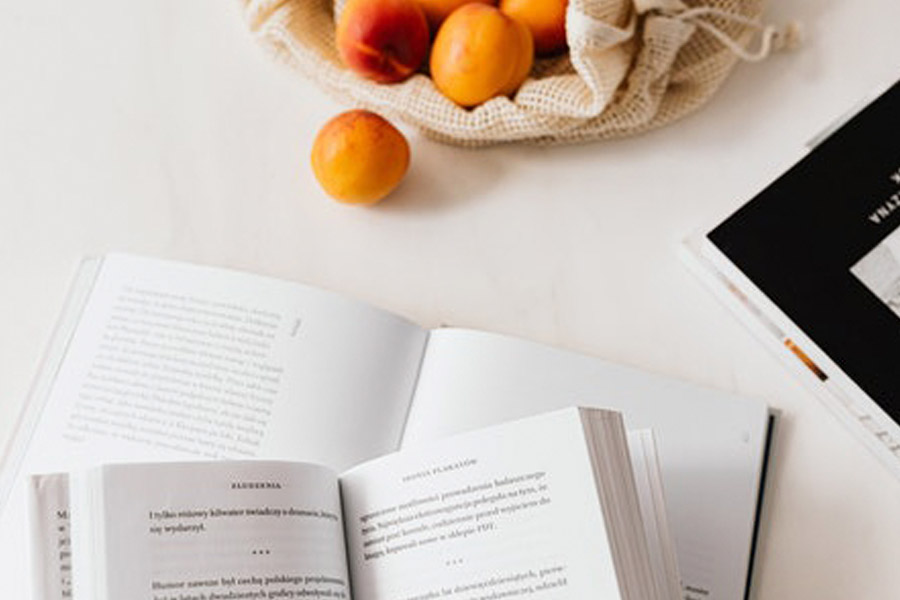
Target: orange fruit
(546, 19)
(358, 157)
(480, 52)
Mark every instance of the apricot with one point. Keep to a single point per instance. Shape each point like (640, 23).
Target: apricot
(383, 40)
(480, 52)
(358, 157)
(546, 19)
(438, 10)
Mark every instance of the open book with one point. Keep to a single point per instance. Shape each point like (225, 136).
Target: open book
(547, 506)
(165, 361)
(812, 265)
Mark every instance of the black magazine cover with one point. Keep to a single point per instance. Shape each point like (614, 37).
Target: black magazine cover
(822, 243)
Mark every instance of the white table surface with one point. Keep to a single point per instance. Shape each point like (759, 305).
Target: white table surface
(160, 128)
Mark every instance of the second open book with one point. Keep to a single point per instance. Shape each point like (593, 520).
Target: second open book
(166, 361)
(547, 506)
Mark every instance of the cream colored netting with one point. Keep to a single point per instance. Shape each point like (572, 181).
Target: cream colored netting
(633, 65)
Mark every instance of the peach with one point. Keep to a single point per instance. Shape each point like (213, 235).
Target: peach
(383, 40)
(480, 52)
(546, 19)
(438, 10)
(358, 157)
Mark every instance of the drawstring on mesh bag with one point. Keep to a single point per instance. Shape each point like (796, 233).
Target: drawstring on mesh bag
(772, 37)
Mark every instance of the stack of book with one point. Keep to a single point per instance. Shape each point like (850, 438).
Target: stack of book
(220, 434)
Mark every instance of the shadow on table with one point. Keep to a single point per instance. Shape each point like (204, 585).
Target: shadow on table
(442, 177)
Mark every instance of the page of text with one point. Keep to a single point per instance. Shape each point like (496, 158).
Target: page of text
(186, 531)
(51, 551)
(509, 512)
(176, 360)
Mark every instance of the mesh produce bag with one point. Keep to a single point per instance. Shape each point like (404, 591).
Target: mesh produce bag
(632, 65)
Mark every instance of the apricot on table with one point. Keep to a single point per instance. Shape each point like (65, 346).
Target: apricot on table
(383, 40)
(438, 10)
(546, 19)
(358, 157)
(480, 52)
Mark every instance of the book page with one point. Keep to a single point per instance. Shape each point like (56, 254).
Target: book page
(654, 514)
(171, 361)
(711, 444)
(508, 512)
(185, 531)
(52, 543)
